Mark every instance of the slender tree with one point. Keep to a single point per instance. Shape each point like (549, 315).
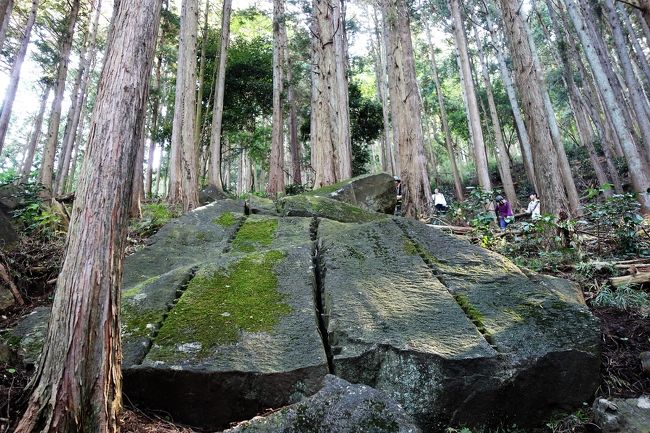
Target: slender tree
(214, 172)
(637, 165)
(294, 145)
(49, 151)
(77, 386)
(6, 7)
(10, 93)
(34, 138)
(276, 164)
(471, 103)
(183, 180)
(444, 118)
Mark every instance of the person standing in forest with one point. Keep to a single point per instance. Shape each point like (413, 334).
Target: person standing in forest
(439, 201)
(533, 207)
(503, 210)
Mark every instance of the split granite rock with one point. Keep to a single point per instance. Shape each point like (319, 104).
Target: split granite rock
(225, 315)
(339, 407)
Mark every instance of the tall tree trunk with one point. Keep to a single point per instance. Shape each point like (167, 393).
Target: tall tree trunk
(10, 93)
(406, 108)
(34, 138)
(49, 151)
(522, 132)
(444, 119)
(501, 151)
(276, 164)
(294, 144)
(199, 97)
(638, 50)
(330, 138)
(635, 92)
(576, 102)
(527, 77)
(387, 156)
(155, 113)
(137, 195)
(637, 165)
(214, 173)
(87, 56)
(556, 136)
(78, 384)
(471, 103)
(6, 7)
(184, 166)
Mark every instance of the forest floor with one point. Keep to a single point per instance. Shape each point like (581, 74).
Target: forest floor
(34, 264)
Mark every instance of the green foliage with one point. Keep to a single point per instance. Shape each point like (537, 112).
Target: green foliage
(623, 298)
(475, 212)
(154, 216)
(619, 217)
(35, 216)
(366, 125)
(294, 189)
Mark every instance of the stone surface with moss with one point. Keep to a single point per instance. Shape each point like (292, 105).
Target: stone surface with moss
(324, 207)
(339, 407)
(371, 192)
(190, 239)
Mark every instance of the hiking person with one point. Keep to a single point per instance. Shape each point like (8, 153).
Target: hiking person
(503, 210)
(398, 192)
(533, 207)
(439, 201)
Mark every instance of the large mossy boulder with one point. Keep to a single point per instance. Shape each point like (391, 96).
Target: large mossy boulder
(339, 407)
(227, 313)
(370, 192)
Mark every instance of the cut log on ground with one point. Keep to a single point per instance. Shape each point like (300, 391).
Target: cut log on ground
(639, 278)
(458, 230)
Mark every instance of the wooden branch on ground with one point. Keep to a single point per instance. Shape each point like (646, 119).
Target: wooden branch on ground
(638, 278)
(4, 275)
(459, 230)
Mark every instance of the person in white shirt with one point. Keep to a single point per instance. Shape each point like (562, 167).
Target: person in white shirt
(533, 207)
(439, 201)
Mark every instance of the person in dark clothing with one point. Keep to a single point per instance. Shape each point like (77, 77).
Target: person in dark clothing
(398, 192)
(503, 211)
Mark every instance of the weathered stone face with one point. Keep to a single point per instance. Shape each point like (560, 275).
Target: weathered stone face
(225, 315)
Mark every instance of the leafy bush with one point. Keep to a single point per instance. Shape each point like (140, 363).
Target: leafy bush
(623, 298)
(154, 216)
(294, 189)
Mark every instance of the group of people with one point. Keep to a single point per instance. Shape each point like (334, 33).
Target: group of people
(504, 214)
(502, 207)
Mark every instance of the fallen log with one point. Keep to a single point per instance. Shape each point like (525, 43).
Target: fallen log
(14, 290)
(638, 278)
(459, 230)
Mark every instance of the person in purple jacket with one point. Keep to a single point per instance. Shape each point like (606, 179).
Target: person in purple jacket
(503, 211)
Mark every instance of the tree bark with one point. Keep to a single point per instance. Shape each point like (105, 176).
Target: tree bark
(276, 164)
(331, 150)
(6, 7)
(471, 103)
(294, 144)
(638, 50)
(506, 77)
(387, 156)
(88, 59)
(49, 151)
(528, 81)
(637, 165)
(214, 173)
(34, 138)
(501, 151)
(635, 92)
(444, 119)
(77, 386)
(406, 109)
(183, 179)
(14, 78)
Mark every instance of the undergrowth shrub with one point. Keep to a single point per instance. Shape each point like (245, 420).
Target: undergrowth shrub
(154, 216)
(623, 298)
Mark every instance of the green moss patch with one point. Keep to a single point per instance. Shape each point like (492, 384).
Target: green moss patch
(328, 189)
(218, 306)
(410, 248)
(139, 323)
(472, 312)
(226, 219)
(255, 234)
(130, 293)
